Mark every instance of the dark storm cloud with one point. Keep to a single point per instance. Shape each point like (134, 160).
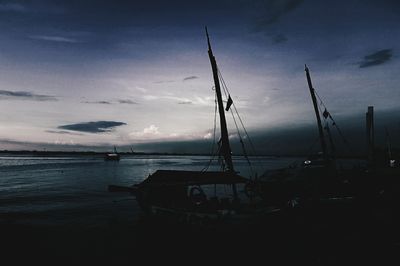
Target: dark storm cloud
(275, 9)
(377, 58)
(93, 127)
(26, 95)
(190, 78)
(300, 139)
(127, 102)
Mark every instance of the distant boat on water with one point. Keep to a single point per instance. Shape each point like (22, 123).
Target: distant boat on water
(112, 156)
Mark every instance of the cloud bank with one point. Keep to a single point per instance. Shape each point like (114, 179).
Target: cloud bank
(93, 127)
(98, 102)
(127, 102)
(190, 78)
(377, 58)
(26, 95)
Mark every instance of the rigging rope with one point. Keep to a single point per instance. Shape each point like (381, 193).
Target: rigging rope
(343, 138)
(237, 113)
(312, 146)
(214, 136)
(227, 93)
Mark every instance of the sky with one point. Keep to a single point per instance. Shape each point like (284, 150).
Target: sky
(92, 74)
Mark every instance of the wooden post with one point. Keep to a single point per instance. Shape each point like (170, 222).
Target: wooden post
(370, 135)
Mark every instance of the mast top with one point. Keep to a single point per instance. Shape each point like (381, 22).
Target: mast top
(208, 39)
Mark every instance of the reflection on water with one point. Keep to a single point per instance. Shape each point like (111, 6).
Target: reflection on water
(53, 190)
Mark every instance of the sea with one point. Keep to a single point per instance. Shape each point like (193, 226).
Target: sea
(72, 190)
(57, 210)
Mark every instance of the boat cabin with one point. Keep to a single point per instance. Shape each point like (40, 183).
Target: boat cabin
(190, 190)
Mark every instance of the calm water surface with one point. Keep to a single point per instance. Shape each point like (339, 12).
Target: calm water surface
(73, 190)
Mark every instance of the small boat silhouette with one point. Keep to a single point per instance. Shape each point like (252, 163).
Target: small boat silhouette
(112, 156)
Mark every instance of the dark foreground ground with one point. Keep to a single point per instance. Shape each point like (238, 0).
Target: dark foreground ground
(324, 238)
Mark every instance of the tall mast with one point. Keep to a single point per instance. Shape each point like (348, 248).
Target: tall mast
(225, 146)
(314, 100)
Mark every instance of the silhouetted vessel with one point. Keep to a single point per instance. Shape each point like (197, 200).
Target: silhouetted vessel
(112, 156)
(200, 195)
(318, 182)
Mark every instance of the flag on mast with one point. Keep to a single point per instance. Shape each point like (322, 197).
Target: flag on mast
(229, 103)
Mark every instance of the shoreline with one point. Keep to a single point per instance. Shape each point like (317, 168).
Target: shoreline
(101, 154)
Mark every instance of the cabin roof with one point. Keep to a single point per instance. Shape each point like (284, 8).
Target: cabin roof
(173, 177)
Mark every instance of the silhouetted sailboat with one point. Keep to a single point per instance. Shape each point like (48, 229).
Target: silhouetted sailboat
(317, 180)
(319, 184)
(112, 156)
(200, 195)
